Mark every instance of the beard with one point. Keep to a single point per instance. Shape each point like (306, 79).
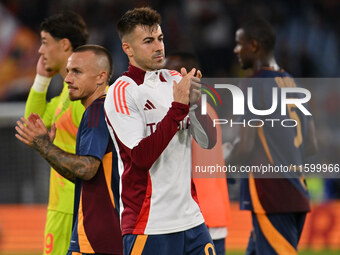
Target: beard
(157, 64)
(152, 64)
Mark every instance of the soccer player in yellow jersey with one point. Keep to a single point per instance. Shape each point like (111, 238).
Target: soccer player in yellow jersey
(60, 35)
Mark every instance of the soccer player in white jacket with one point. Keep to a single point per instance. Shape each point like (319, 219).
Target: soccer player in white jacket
(152, 113)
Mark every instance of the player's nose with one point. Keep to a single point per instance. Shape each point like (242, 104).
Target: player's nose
(159, 46)
(68, 78)
(40, 51)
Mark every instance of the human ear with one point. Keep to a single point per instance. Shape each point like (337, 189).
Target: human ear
(103, 77)
(127, 49)
(66, 44)
(254, 46)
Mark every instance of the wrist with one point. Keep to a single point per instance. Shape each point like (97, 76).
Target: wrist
(42, 144)
(179, 111)
(41, 83)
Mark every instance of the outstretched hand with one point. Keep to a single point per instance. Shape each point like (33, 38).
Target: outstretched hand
(195, 88)
(33, 129)
(184, 72)
(181, 90)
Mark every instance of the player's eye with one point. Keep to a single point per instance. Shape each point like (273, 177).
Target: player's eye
(76, 71)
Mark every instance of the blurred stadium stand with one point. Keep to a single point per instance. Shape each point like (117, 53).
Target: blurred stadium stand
(308, 45)
(23, 173)
(307, 34)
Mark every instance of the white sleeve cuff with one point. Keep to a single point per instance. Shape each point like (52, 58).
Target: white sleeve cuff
(197, 131)
(193, 107)
(41, 83)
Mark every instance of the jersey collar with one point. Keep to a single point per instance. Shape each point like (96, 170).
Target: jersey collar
(140, 76)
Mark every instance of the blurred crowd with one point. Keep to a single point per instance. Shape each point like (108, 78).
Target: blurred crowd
(308, 32)
(308, 36)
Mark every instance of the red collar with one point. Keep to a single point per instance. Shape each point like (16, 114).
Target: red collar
(135, 74)
(138, 74)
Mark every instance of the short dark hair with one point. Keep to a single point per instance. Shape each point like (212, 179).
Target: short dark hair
(139, 16)
(99, 51)
(68, 25)
(262, 31)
